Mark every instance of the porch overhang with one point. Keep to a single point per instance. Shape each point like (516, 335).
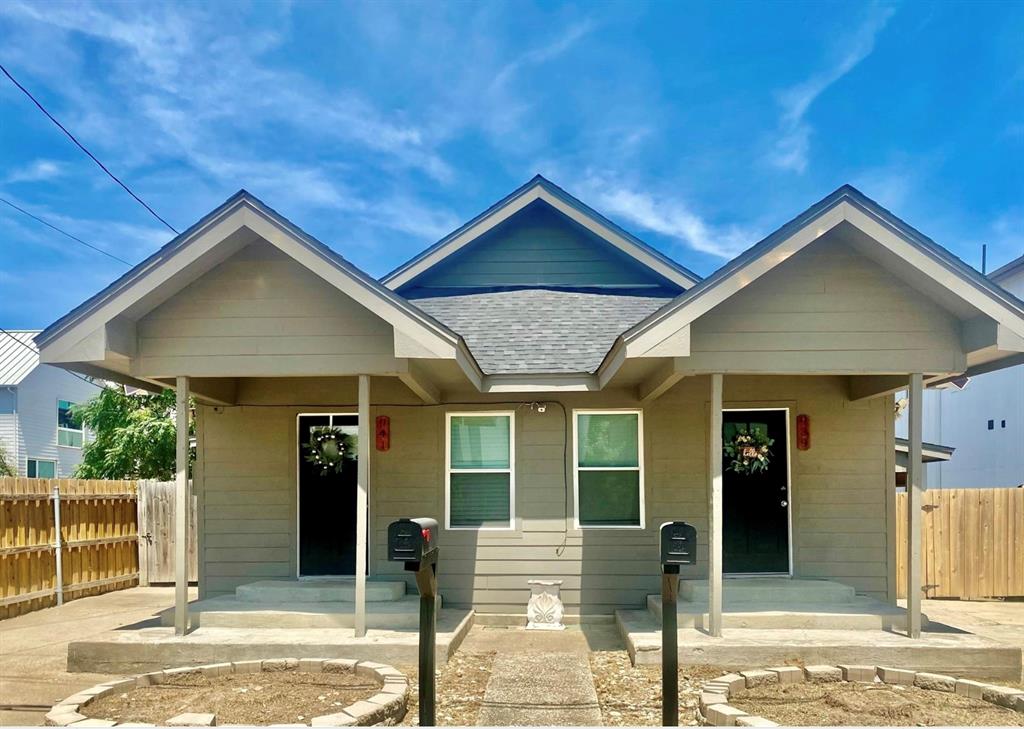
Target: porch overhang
(988, 329)
(101, 337)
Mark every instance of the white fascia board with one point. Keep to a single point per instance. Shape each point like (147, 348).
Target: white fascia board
(143, 282)
(441, 345)
(540, 383)
(538, 192)
(989, 302)
(1004, 311)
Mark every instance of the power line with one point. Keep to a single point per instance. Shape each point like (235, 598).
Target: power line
(63, 232)
(35, 351)
(83, 148)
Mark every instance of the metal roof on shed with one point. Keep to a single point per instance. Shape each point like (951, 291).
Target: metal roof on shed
(17, 360)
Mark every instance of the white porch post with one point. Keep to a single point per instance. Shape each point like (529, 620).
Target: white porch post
(915, 472)
(363, 477)
(182, 513)
(715, 508)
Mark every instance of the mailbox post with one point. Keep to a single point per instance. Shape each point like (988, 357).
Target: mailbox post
(414, 542)
(678, 547)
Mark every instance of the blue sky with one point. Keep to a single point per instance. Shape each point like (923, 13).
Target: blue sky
(379, 127)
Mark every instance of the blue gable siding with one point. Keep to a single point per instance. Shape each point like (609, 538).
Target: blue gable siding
(539, 247)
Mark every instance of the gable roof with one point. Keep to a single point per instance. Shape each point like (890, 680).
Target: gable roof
(540, 188)
(17, 360)
(845, 203)
(265, 221)
(1017, 264)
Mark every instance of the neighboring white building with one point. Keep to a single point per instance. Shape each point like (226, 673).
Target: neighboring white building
(983, 421)
(36, 430)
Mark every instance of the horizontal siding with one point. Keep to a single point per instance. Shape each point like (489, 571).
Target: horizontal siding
(828, 308)
(838, 494)
(538, 247)
(261, 313)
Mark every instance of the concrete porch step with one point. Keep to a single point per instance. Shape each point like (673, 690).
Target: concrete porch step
(862, 613)
(942, 651)
(229, 612)
(129, 650)
(762, 590)
(312, 591)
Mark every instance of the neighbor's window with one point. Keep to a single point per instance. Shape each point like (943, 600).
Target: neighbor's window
(69, 427)
(608, 472)
(480, 478)
(41, 469)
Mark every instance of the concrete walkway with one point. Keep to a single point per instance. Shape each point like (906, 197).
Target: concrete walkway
(34, 647)
(540, 678)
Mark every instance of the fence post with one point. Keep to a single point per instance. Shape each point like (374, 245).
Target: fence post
(142, 523)
(58, 546)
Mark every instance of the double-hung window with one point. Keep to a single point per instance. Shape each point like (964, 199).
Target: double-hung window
(608, 468)
(39, 468)
(69, 426)
(480, 471)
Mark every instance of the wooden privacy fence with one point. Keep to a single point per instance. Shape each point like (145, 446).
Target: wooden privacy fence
(972, 543)
(96, 524)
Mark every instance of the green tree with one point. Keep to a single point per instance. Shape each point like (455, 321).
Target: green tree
(134, 436)
(6, 467)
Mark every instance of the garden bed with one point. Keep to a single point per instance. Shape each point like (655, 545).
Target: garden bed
(851, 695)
(276, 691)
(864, 704)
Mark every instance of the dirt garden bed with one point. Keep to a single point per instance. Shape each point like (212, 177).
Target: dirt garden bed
(851, 695)
(863, 704)
(274, 691)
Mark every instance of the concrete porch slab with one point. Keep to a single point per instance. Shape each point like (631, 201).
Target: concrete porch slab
(326, 590)
(774, 590)
(138, 650)
(949, 652)
(230, 612)
(860, 613)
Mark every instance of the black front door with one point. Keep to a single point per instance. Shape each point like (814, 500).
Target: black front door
(755, 534)
(327, 503)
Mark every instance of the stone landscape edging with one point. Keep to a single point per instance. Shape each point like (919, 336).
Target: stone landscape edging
(714, 708)
(388, 704)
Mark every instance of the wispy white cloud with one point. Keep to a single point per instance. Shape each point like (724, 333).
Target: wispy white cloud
(790, 151)
(39, 170)
(669, 216)
(543, 54)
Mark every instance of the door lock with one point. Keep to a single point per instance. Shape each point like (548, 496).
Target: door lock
(784, 503)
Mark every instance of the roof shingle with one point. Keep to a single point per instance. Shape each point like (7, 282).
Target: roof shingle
(540, 331)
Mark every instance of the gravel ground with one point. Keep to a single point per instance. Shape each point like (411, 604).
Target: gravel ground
(250, 698)
(460, 689)
(631, 696)
(859, 704)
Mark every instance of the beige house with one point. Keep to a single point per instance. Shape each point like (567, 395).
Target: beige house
(551, 390)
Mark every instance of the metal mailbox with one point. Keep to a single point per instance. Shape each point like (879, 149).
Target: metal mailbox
(678, 543)
(411, 540)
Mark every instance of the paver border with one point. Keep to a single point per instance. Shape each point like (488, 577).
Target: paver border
(714, 709)
(387, 705)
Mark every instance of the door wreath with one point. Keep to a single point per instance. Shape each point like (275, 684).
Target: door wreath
(748, 450)
(329, 447)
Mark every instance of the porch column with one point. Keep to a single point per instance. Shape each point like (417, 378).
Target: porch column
(182, 513)
(715, 508)
(362, 488)
(915, 473)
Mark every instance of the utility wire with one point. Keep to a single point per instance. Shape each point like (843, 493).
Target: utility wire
(35, 351)
(63, 232)
(83, 148)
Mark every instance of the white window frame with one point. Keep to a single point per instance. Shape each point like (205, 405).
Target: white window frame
(56, 473)
(63, 429)
(576, 468)
(511, 470)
